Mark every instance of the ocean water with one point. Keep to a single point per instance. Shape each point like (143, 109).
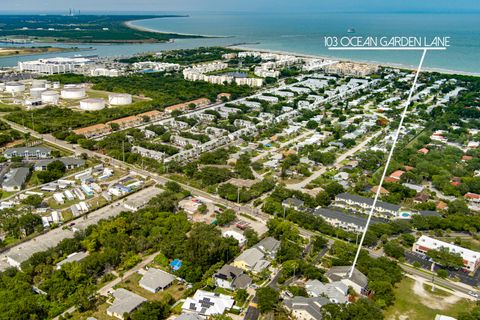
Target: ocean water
(304, 33)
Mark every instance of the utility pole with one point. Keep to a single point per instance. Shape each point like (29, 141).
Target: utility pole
(123, 150)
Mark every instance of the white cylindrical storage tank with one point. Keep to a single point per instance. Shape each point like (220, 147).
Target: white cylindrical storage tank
(73, 93)
(39, 83)
(36, 92)
(14, 87)
(92, 104)
(119, 99)
(70, 86)
(50, 97)
(56, 85)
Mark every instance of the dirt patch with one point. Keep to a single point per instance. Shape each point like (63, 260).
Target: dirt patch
(430, 301)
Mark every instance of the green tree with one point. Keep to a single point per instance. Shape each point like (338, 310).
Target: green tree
(226, 217)
(442, 273)
(445, 258)
(251, 236)
(150, 311)
(268, 299)
(394, 249)
(32, 200)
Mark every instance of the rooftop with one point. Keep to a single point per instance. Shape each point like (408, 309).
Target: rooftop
(342, 272)
(155, 278)
(339, 215)
(125, 302)
(15, 177)
(436, 244)
(367, 201)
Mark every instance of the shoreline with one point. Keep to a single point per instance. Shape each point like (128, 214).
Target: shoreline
(241, 47)
(45, 53)
(379, 63)
(131, 24)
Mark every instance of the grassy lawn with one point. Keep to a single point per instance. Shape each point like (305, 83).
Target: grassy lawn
(131, 283)
(467, 241)
(100, 313)
(437, 292)
(409, 306)
(6, 194)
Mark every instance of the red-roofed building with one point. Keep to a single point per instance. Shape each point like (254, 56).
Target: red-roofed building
(390, 179)
(474, 197)
(442, 205)
(467, 158)
(423, 151)
(397, 174)
(409, 168)
(382, 190)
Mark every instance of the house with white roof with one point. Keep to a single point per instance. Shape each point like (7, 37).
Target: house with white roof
(207, 304)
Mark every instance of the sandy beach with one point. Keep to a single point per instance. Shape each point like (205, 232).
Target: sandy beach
(131, 24)
(383, 64)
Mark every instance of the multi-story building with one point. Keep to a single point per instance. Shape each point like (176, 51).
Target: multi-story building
(363, 205)
(471, 259)
(53, 65)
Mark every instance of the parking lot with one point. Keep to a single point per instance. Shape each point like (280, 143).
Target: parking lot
(425, 263)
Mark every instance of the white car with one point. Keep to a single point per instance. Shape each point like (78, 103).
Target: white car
(474, 294)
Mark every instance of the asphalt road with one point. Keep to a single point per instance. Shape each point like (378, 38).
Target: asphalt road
(443, 282)
(239, 208)
(337, 164)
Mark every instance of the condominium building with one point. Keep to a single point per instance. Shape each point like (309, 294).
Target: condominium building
(53, 65)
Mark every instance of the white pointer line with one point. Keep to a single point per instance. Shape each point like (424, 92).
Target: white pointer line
(395, 139)
(388, 48)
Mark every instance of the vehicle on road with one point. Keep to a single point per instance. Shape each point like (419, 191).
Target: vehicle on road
(474, 294)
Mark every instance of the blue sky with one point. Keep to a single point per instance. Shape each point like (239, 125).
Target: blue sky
(244, 5)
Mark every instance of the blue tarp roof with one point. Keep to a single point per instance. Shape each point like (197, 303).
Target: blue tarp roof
(176, 264)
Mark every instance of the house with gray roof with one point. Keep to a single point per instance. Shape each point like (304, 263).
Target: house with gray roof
(15, 179)
(230, 277)
(124, 302)
(69, 162)
(342, 220)
(293, 203)
(363, 205)
(358, 281)
(28, 152)
(335, 291)
(429, 213)
(269, 246)
(73, 257)
(155, 280)
(306, 308)
(189, 316)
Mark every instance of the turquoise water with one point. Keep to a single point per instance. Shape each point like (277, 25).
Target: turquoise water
(303, 33)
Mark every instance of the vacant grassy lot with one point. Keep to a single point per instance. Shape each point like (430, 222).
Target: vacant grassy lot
(409, 305)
